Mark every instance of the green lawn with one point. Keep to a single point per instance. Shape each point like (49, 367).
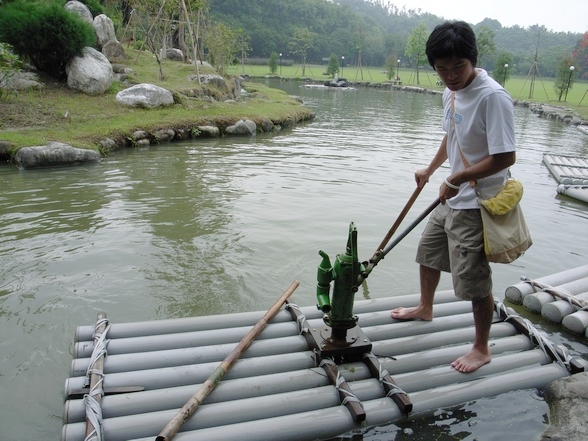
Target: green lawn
(518, 86)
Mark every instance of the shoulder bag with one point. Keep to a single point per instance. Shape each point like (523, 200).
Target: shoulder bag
(506, 235)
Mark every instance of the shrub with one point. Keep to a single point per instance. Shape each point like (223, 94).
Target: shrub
(9, 66)
(45, 33)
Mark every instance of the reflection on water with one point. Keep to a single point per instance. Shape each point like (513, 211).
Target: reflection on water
(219, 226)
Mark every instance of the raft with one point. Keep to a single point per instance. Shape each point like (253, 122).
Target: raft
(560, 298)
(571, 173)
(278, 389)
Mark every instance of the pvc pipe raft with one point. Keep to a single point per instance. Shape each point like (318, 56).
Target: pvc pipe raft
(579, 192)
(567, 169)
(560, 298)
(516, 293)
(276, 391)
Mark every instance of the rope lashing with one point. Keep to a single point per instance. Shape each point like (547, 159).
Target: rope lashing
(301, 319)
(394, 389)
(574, 301)
(93, 408)
(561, 357)
(349, 396)
(94, 414)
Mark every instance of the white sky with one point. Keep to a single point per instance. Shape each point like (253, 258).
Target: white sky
(555, 15)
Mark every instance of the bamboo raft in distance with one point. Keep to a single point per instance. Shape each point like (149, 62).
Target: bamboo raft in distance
(276, 390)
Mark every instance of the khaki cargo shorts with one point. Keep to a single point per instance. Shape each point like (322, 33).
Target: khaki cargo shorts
(453, 242)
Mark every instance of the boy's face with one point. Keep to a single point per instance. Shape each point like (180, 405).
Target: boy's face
(456, 73)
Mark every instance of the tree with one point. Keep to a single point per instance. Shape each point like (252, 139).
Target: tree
(157, 14)
(333, 66)
(391, 67)
(565, 78)
(415, 47)
(580, 55)
(486, 45)
(222, 44)
(503, 67)
(244, 47)
(272, 62)
(300, 42)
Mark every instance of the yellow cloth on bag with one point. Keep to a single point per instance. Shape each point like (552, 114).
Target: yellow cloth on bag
(506, 199)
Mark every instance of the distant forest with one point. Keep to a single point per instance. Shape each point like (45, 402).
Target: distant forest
(383, 29)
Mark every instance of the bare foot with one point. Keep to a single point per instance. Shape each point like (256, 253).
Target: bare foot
(471, 361)
(417, 312)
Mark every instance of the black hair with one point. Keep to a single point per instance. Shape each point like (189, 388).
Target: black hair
(452, 40)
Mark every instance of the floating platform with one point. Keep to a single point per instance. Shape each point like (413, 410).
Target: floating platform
(571, 173)
(560, 298)
(322, 86)
(278, 390)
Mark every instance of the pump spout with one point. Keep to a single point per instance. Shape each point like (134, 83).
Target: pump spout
(324, 277)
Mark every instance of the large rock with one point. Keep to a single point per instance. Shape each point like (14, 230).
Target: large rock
(53, 154)
(104, 29)
(173, 54)
(81, 9)
(23, 81)
(568, 400)
(114, 51)
(91, 73)
(145, 95)
(246, 127)
(212, 80)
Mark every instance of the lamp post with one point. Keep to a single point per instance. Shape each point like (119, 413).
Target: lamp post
(280, 64)
(397, 69)
(569, 82)
(505, 71)
(342, 63)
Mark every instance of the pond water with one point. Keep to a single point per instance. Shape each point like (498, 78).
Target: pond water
(225, 225)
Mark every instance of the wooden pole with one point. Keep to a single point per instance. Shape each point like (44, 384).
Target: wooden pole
(401, 217)
(193, 403)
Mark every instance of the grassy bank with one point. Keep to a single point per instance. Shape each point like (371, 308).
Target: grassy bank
(57, 113)
(519, 86)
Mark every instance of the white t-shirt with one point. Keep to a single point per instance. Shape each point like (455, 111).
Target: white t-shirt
(485, 126)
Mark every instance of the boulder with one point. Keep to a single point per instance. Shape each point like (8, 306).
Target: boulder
(53, 154)
(113, 50)
(267, 125)
(23, 81)
(91, 73)
(212, 80)
(174, 54)
(208, 131)
(246, 127)
(81, 9)
(568, 400)
(5, 147)
(104, 29)
(146, 96)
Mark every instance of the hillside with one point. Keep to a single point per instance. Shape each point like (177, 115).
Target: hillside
(338, 25)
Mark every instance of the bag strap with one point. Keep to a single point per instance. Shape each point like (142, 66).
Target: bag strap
(464, 160)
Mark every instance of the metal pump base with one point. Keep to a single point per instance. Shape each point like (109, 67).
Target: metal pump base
(330, 342)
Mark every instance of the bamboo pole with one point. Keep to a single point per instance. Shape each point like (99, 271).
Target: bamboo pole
(402, 215)
(194, 402)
